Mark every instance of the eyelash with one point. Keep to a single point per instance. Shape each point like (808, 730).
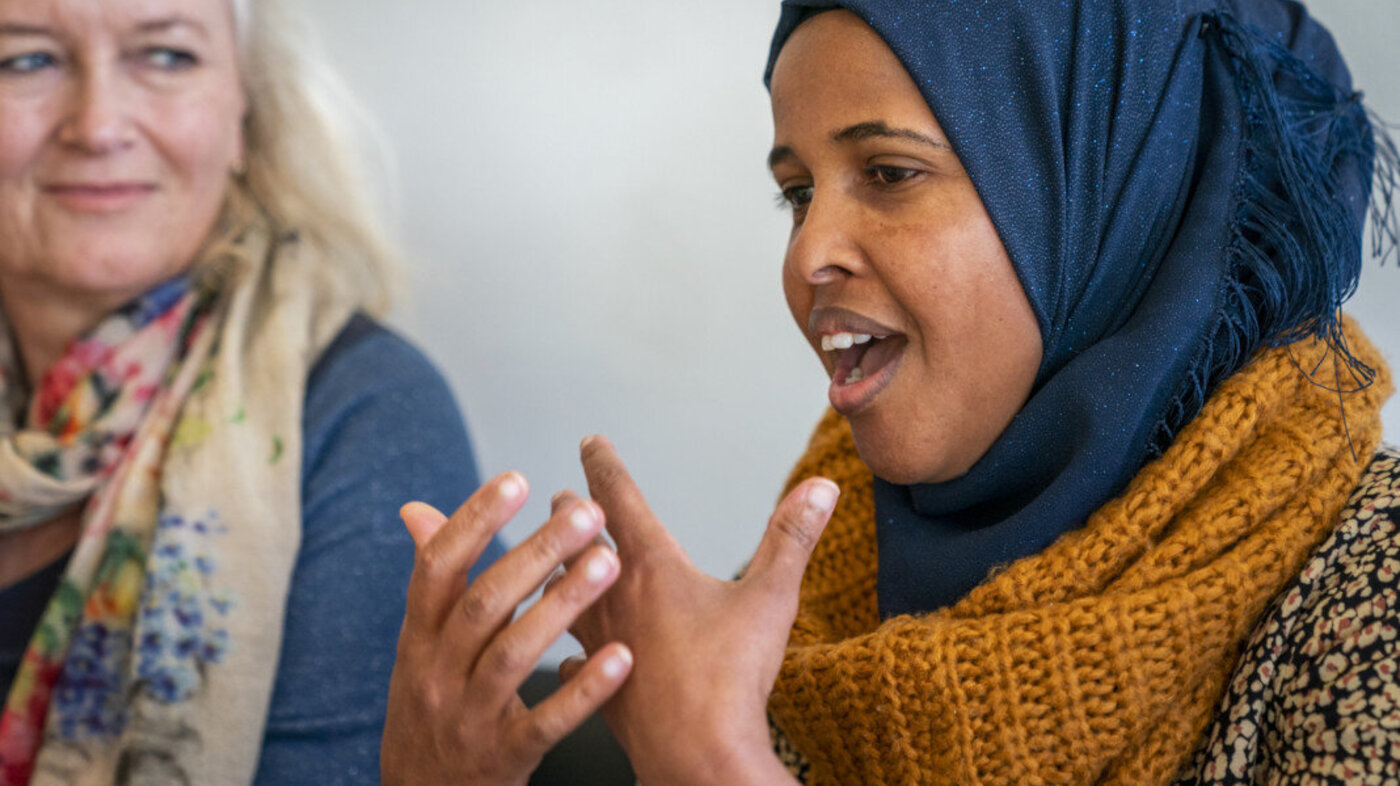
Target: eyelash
(178, 59)
(23, 64)
(879, 176)
(162, 58)
(787, 198)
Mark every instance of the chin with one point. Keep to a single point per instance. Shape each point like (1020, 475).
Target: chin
(116, 271)
(898, 462)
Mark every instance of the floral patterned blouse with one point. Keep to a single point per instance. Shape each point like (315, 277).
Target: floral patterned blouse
(1315, 699)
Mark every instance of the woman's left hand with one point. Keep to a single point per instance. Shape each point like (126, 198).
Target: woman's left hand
(706, 651)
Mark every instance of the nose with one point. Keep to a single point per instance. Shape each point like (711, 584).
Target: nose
(824, 248)
(97, 121)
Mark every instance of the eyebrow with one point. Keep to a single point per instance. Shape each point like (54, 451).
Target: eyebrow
(163, 24)
(16, 28)
(871, 129)
(151, 26)
(877, 129)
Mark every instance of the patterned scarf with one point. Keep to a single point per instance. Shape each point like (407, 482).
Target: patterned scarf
(1102, 658)
(175, 425)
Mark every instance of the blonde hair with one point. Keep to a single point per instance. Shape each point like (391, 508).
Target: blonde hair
(305, 140)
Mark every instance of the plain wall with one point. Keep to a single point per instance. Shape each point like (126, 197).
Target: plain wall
(595, 247)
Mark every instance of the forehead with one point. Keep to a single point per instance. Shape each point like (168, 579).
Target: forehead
(836, 69)
(87, 17)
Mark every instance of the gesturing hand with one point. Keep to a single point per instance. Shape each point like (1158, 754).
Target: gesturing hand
(454, 714)
(707, 651)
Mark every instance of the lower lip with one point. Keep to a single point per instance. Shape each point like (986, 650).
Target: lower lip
(851, 399)
(107, 199)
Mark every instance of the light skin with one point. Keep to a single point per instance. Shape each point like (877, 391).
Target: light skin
(119, 124)
(455, 714)
(891, 240)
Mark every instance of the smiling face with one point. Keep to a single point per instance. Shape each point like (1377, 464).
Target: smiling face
(119, 123)
(893, 270)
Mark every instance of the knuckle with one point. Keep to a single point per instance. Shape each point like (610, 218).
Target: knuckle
(571, 593)
(481, 603)
(437, 562)
(429, 561)
(506, 658)
(539, 730)
(588, 692)
(544, 546)
(429, 695)
(793, 528)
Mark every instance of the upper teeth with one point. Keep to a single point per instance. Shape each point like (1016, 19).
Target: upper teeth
(843, 340)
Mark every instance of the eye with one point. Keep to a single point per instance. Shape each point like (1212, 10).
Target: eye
(795, 197)
(168, 59)
(886, 175)
(27, 63)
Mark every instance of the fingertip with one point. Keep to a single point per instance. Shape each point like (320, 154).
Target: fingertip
(821, 495)
(617, 660)
(601, 565)
(512, 486)
(422, 520)
(570, 666)
(594, 443)
(587, 517)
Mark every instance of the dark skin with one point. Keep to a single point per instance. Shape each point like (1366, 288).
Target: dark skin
(887, 226)
(708, 651)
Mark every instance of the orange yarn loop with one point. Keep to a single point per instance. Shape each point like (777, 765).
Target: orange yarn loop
(1102, 658)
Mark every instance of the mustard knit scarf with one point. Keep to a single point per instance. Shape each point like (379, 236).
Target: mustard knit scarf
(1102, 658)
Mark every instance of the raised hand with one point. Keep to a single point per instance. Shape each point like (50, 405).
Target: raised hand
(454, 712)
(707, 651)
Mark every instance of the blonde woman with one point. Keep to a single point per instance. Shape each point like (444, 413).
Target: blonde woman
(205, 432)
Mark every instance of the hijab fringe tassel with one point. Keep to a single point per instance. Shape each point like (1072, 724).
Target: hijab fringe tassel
(1293, 249)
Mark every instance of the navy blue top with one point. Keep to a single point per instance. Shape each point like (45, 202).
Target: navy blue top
(380, 427)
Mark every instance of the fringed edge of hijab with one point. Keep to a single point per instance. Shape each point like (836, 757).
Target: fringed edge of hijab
(1293, 249)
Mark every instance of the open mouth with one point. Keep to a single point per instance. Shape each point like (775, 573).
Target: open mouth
(864, 365)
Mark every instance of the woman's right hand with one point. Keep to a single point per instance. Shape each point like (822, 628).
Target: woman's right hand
(454, 712)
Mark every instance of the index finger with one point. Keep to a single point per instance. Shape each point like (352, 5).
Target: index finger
(631, 523)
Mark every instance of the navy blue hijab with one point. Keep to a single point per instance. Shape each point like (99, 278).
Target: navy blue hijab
(1177, 182)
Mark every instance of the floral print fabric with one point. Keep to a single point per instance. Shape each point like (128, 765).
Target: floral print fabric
(75, 435)
(156, 662)
(1316, 699)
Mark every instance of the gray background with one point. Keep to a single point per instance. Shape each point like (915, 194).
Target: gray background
(594, 245)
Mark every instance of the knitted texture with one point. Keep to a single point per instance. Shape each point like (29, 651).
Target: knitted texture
(1100, 659)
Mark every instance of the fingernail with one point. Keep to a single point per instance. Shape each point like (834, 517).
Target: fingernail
(822, 495)
(588, 440)
(554, 500)
(598, 567)
(584, 517)
(511, 486)
(617, 664)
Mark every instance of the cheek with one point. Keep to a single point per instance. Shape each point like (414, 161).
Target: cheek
(799, 295)
(201, 137)
(21, 139)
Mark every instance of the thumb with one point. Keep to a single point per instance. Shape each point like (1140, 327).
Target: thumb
(793, 532)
